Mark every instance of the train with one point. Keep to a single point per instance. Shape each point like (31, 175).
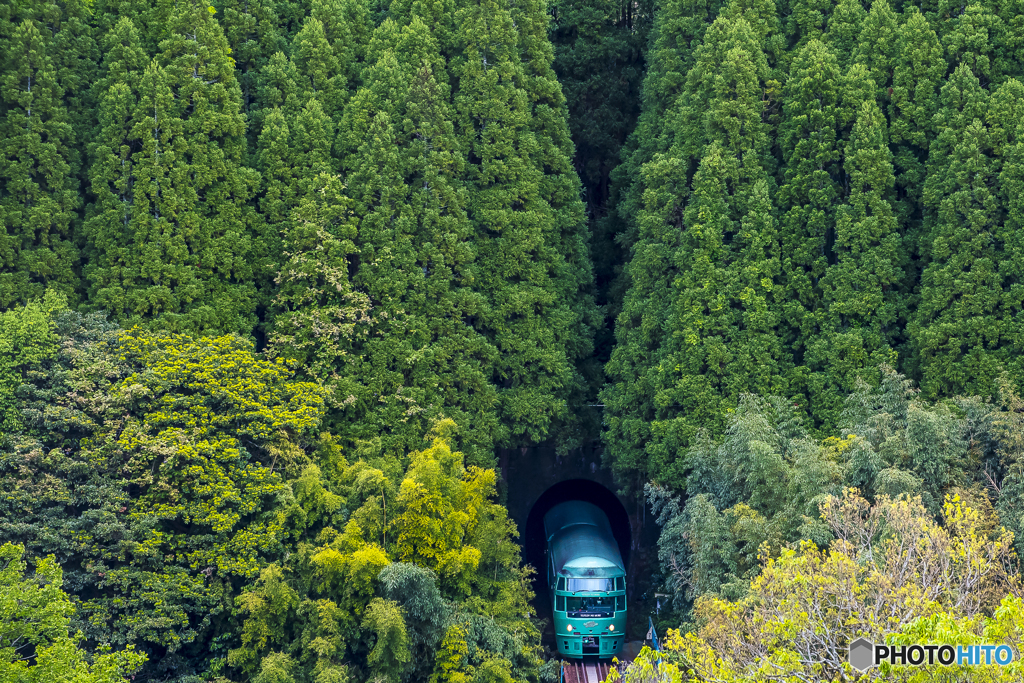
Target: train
(587, 580)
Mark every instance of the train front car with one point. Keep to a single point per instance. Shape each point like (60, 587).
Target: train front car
(587, 580)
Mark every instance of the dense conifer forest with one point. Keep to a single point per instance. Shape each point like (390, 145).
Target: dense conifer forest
(279, 278)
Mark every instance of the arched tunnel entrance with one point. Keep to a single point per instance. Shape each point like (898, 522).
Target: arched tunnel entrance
(536, 479)
(574, 489)
(534, 542)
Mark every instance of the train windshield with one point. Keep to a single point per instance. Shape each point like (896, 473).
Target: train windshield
(590, 605)
(596, 585)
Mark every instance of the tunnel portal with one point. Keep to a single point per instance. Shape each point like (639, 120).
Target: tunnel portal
(574, 489)
(536, 479)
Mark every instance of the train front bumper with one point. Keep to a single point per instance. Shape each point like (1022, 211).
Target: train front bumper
(577, 645)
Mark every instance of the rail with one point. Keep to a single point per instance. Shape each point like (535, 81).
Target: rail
(585, 671)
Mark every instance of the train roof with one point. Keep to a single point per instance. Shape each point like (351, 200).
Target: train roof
(581, 541)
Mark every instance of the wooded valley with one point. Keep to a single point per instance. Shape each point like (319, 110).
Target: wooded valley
(278, 278)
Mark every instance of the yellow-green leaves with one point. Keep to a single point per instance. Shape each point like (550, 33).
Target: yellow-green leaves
(211, 383)
(35, 643)
(390, 651)
(163, 483)
(893, 574)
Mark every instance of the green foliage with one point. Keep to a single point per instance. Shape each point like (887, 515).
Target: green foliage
(414, 358)
(532, 271)
(150, 464)
(878, 136)
(757, 491)
(699, 325)
(390, 651)
(599, 61)
(418, 561)
(818, 208)
(38, 189)
(192, 256)
(35, 645)
(955, 330)
(862, 298)
(794, 624)
(760, 487)
(27, 339)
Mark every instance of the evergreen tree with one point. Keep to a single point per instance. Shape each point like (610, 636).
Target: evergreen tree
(844, 27)
(808, 20)
(407, 357)
(955, 333)
(277, 86)
(316, 310)
(973, 39)
(808, 136)
(320, 75)
(252, 31)
(917, 76)
(348, 28)
(191, 257)
(862, 293)
(1009, 52)
(559, 187)
(112, 173)
(276, 161)
(151, 18)
(38, 189)
(599, 62)
(768, 29)
(683, 359)
(76, 59)
(1005, 113)
(678, 29)
(878, 47)
(532, 265)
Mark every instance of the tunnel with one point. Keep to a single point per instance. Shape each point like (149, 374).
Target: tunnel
(533, 540)
(535, 479)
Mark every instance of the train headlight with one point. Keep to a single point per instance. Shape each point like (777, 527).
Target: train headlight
(569, 627)
(611, 627)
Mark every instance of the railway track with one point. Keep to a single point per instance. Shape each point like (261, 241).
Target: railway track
(586, 671)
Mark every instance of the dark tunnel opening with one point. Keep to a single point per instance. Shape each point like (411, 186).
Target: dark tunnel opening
(533, 536)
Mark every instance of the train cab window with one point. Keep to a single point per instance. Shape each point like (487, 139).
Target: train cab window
(561, 583)
(590, 585)
(591, 604)
(559, 603)
(620, 603)
(620, 584)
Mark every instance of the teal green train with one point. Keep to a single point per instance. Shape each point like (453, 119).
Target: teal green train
(587, 580)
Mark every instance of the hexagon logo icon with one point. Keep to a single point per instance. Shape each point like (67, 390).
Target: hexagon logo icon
(861, 654)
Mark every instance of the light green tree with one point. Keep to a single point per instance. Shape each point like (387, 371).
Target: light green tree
(35, 643)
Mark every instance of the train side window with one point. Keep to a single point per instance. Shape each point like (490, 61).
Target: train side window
(620, 584)
(620, 603)
(559, 603)
(561, 583)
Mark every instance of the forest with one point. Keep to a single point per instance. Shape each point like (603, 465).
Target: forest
(279, 279)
